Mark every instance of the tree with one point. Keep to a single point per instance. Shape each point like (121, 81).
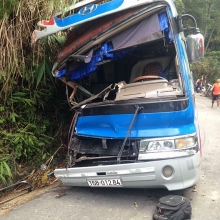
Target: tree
(29, 95)
(207, 14)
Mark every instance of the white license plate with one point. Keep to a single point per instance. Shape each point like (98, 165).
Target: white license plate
(100, 183)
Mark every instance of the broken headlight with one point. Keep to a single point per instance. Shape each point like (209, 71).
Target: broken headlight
(163, 144)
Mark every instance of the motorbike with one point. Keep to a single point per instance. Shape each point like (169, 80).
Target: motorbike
(208, 91)
(201, 89)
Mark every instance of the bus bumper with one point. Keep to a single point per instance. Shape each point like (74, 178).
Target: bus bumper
(172, 174)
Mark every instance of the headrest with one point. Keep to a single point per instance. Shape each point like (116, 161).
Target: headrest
(152, 69)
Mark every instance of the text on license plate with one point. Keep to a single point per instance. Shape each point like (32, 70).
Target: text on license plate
(99, 183)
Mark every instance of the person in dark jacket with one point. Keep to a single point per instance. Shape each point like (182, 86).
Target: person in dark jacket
(198, 84)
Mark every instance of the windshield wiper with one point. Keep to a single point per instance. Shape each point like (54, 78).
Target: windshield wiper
(128, 132)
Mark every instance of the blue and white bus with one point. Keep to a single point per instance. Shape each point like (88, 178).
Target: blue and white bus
(126, 64)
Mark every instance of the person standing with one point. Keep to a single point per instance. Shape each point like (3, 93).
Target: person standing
(216, 93)
(198, 85)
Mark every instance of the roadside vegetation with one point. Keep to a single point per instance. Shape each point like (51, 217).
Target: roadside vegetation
(207, 14)
(32, 102)
(34, 114)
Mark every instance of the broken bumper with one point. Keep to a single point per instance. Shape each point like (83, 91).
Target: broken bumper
(185, 173)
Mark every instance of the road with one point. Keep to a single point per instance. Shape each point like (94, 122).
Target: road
(135, 204)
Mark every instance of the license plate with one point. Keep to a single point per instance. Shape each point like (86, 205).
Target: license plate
(100, 183)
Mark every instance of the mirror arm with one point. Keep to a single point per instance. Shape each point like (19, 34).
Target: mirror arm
(179, 19)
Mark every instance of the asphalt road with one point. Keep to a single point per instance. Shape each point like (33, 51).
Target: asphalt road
(128, 204)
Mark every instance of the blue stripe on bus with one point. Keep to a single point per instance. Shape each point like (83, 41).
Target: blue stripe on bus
(101, 9)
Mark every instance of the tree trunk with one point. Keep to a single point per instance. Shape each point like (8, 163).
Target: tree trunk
(208, 15)
(210, 36)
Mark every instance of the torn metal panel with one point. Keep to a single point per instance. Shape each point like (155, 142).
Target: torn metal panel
(100, 95)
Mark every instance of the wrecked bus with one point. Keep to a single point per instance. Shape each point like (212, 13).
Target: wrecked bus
(132, 98)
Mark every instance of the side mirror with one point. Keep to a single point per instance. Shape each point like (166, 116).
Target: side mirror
(195, 47)
(194, 41)
(180, 27)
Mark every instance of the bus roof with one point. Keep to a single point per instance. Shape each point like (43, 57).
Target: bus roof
(84, 11)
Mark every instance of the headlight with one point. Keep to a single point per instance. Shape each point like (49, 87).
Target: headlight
(153, 145)
(167, 144)
(146, 145)
(185, 142)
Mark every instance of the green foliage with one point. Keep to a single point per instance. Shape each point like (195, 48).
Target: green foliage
(22, 133)
(209, 68)
(180, 6)
(29, 109)
(43, 71)
(29, 124)
(5, 171)
(7, 7)
(207, 14)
